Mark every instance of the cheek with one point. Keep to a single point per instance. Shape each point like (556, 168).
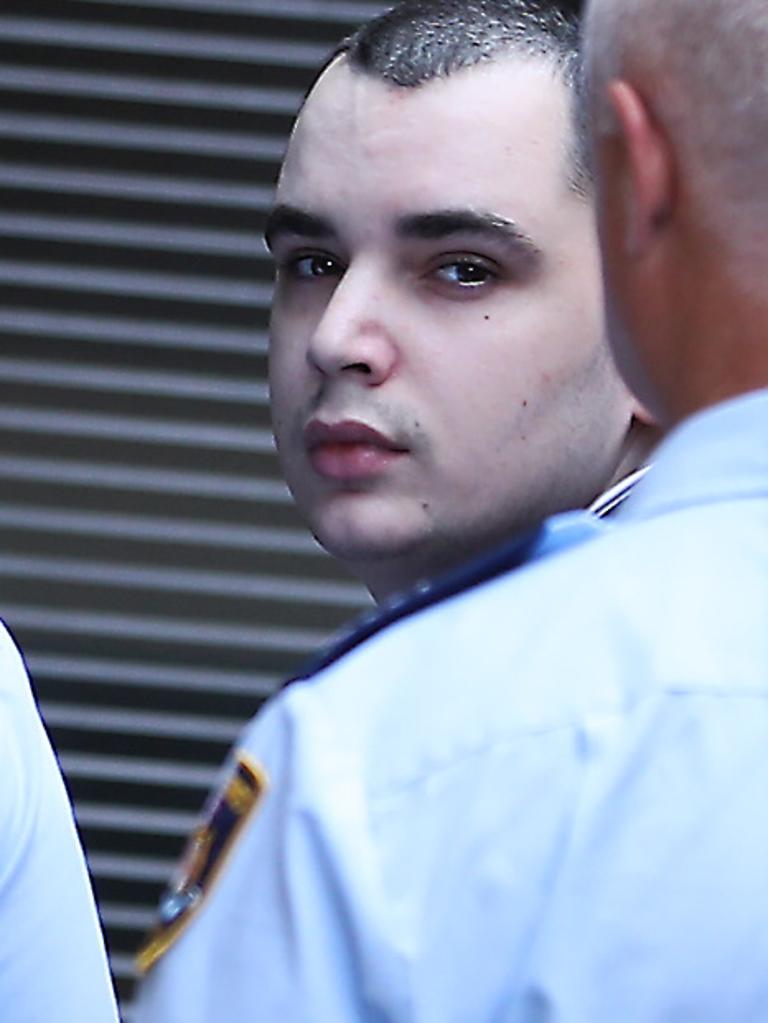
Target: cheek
(288, 340)
(518, 362)
(486, 406)
(569, 346)
(480, 372)
(542, 379)
(284, 393)
(287, 430)
(296, 312)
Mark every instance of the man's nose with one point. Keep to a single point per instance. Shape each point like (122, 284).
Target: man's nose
(354, 336)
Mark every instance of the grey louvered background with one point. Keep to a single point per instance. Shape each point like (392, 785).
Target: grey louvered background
(151, 564)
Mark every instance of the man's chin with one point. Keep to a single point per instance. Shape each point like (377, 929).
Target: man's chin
(363, 527)
(360, 548)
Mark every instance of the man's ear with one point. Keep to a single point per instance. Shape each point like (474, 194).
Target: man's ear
(647, 167)
(642, 415)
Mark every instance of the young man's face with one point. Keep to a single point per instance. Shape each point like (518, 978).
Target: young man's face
(439, 372)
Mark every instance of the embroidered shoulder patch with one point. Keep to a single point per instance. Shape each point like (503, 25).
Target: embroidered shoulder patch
(205, 854)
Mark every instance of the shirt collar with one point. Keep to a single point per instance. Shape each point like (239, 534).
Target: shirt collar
(612, 499)
(718, 454)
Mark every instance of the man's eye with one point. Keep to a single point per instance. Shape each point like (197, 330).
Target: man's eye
(308, 267)
(467, 273)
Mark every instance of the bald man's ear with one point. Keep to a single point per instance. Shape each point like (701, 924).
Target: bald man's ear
(642, 415)
(647, 168)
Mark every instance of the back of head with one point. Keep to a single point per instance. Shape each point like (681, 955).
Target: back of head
(702, 67)
(418, 41)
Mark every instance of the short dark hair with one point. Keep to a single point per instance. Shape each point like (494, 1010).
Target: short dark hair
(417, 41)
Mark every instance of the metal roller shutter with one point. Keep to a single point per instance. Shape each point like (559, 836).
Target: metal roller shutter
(151, 564)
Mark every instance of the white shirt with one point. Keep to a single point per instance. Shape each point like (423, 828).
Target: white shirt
(541, 800)
(53, 967)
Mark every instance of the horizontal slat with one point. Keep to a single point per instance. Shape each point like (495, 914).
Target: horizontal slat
(136, 770)
(124, 966)
(290, 641)
(144, 187)
(130, 428)
(127, 867)
(152, 91)
(158, 481)
(83, 377)
(27, 518)
(73, 130)
(204, 47)
(152, 676)
(136, 821)
(98, 330)
(128, 917)
(176, 580)
(312, 10)
(130, 722)
(135, 284)
(146, 237)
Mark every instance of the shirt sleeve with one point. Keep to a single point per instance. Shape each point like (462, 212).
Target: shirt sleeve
(53, 960)
(354, 895)
(270, 936)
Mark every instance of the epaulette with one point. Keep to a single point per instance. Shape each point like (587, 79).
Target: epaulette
(506, 558)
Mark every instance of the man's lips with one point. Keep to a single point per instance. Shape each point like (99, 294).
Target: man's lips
(349, 450)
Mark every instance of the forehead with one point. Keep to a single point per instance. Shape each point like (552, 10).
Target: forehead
(494, 136)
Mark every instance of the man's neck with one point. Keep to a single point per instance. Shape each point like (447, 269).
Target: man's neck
(636, 450)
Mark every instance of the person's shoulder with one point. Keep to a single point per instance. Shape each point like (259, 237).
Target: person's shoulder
(659, 603)
(18, 714)
(18, 708)
(625, 583)
(32, 784)
(12, 668)
(406, 692)
(551, 536)
(543, 646)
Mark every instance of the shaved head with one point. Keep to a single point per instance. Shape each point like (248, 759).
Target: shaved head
(702, 68)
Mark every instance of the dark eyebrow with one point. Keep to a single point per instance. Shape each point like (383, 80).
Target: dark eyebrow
(442, 223)
(285, 219)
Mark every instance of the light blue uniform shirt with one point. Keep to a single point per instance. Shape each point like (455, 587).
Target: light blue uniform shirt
(545, 799)
(53, 967)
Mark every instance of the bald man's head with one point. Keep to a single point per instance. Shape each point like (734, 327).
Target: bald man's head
(702, 68)
(678, 91)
